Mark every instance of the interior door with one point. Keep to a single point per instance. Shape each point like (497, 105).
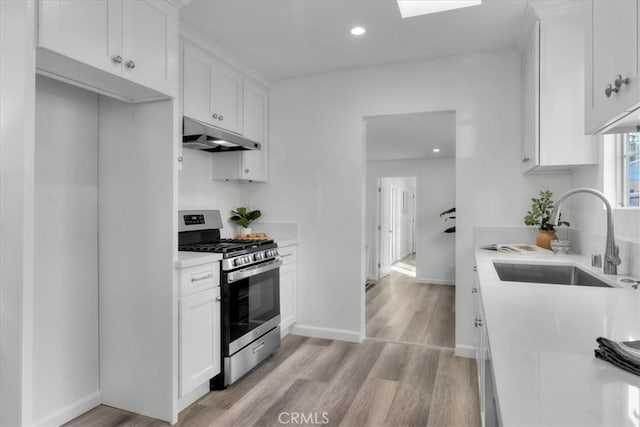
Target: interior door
(384, 259)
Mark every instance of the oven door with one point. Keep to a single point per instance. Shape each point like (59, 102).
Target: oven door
(251, 304)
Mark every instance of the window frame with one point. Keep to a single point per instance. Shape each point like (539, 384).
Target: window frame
(622, 175)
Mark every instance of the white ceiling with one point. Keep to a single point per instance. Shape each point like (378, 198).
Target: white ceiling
(287, 38)
(411, 136)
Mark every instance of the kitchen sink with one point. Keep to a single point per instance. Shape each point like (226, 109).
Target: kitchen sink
(547, 274)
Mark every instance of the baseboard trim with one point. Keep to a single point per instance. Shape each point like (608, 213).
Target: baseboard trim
(435, 282)
(72, 411)
(467, 351)
(328, 333)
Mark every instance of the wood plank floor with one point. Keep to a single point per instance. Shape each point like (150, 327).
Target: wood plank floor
(401, 310)
(312, 381)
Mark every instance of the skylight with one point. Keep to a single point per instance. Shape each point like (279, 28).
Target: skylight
(410, 8)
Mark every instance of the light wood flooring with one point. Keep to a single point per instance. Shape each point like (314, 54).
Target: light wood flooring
(376, 383)
(400, 310)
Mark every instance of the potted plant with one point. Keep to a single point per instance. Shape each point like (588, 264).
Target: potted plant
(540, 215)
(244, 217)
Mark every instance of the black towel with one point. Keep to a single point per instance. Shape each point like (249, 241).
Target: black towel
(623, 354)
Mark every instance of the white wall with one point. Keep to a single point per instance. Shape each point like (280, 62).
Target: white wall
(435, 193)
(318, 169)
(197, 189)
(65, 364)
(17, 91)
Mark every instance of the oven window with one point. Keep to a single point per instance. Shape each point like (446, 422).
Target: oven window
(252, 302)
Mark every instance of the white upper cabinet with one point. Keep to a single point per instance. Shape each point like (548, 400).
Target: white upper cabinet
(612, 50)
(226, 97)
(212, 91)
(256, 122)
(134, 40)
(219, 95)
(553, 80)
(80, 30)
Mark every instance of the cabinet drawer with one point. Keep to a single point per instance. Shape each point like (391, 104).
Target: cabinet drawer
(288, 255)
(199, 278)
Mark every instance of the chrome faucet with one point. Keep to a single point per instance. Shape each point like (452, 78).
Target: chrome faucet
(611, 258)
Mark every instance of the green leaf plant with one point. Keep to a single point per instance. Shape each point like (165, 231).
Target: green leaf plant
(243, 217)
(540, 213)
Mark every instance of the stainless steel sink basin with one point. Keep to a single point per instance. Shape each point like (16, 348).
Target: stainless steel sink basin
(548, 274)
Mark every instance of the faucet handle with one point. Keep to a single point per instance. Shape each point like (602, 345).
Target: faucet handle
(614, 258)
(596, 260)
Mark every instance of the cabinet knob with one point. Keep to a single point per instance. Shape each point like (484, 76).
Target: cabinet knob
(478, 323)
(246, 170)
(220, 117)
(131, 64)
(218, 298)
(609, 90)
(117, 59)
(214, 115)
(620, 81)
(474, 290)
(525, 160)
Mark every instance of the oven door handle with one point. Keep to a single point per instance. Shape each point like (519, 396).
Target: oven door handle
(252, 271)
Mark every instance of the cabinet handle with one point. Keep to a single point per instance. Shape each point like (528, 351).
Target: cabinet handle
(246, 170)
(214, 115)
(220, 117)
(475, 268)
(620, 81)
(478, 323)
(525, 160)
(258, 347)
(117, 59)
(201, 278)
(285, 255)
(609, 90)
(130, 64)
(474, 290)
(218, 299)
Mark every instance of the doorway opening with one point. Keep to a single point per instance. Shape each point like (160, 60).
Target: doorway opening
(396, 226)
(410, 297)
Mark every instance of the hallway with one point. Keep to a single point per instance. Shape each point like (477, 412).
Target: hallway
(401, 310)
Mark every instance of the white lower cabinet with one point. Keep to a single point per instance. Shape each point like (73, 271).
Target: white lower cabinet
(199, 329)
(288, 287)
(486, 387)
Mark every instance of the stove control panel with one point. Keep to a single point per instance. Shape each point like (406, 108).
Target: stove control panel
(249, 259)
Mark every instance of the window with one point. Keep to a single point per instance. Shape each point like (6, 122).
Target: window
(629, 170)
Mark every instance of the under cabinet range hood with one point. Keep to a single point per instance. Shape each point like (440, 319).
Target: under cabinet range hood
(200, 136)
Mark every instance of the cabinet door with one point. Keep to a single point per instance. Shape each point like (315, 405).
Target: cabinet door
(226, 97)
(197, 85)
(255, 128)
(199, 339)
(87, 31)
(288, 295)
(531, 101)
(612, 50)
(150, 34)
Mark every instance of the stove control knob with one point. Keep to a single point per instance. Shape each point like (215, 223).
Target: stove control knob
(258, 257)
(275, 252)
(237, 261)
(247, 259)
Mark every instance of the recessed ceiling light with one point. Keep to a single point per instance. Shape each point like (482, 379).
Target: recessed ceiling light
(409, 8)
(436, 150)
(358, 31)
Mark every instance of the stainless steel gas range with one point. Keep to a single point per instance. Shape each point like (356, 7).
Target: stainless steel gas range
(250, 292)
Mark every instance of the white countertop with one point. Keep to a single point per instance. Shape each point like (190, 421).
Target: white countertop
(542, 339)
(192, 259)
(284, 243)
